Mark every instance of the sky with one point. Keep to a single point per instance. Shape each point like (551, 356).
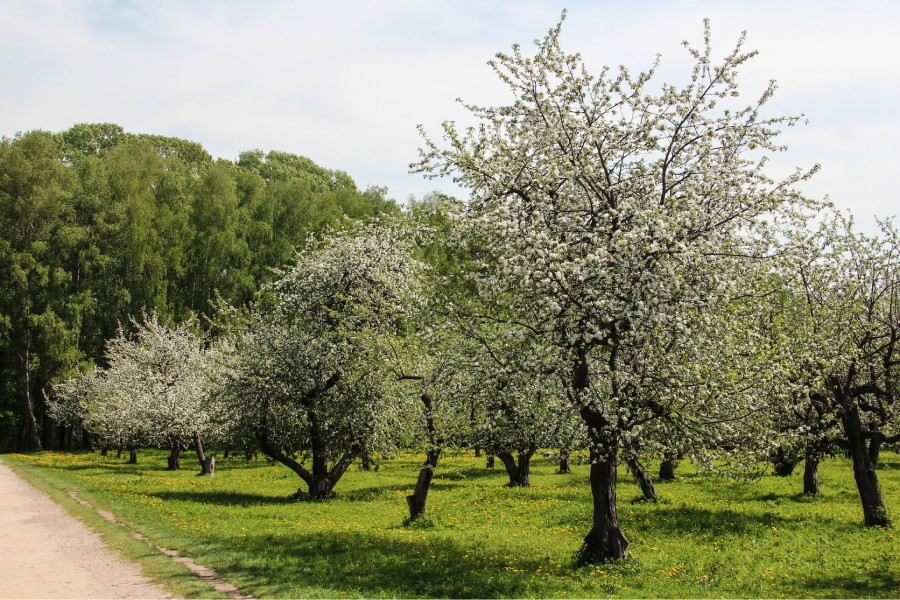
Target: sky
(346, 83)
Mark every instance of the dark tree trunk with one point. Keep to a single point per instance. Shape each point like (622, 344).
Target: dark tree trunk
(605, 539)
(417, 500)
(519, 474)
(133, 456)
(784, 465)
(875, 449)
(207, 463)
(667, 466)
(104, 451)
(477, 451)
(87, 441)
(489, 463)
(119, 452)
(366, 462)
(29, 440)
(175, 457)
(225, 455)
(565, 463)
(874, 511)
(811, 477)
(643, 479)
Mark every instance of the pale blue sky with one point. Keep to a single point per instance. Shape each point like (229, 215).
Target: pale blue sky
(346, 82)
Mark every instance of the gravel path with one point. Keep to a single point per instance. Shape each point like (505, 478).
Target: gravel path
(47, 553)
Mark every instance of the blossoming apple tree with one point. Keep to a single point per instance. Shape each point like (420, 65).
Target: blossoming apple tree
(614, 220)
(311, 379)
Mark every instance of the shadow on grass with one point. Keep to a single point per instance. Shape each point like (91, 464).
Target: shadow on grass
(365, 565)
(223, 498)
(872, 584)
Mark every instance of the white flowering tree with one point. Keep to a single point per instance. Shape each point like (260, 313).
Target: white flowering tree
(613, 222)
(844, 337)
(158, 388)
(311, 379)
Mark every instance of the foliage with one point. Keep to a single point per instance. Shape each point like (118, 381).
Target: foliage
(310, 375)
(158, 389)
(612, 224)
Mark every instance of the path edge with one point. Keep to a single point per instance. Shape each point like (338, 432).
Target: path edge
(175, 578)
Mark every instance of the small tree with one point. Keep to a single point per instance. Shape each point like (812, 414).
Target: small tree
(613, 223)
(157, 389)
(310, 378)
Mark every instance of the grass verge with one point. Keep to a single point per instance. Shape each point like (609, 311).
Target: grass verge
(706, 537)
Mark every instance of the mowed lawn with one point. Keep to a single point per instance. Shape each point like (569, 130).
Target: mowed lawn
(707, 537)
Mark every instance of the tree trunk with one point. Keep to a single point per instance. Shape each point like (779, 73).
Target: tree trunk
(225, 455)
(565, 463)
(811, 477)
(519, 474)
(667, 467)
(87, 442)
(874, 510)
(489, 463)
(119, 452)
(477, 451)
(417, 500)
(366, 462)
(875, 449)
(104, 451)
(643, 479)
(175, 457)
(605, 539)
(29, 440)
(133, 456)
(784, 466)
(207, 464)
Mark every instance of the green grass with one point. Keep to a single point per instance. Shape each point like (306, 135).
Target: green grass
(707, 537)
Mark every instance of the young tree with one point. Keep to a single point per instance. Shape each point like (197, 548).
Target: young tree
(613, 221)
(310, 377)
(158, 389)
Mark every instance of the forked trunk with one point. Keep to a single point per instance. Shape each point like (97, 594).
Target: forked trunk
(811, 477)
(874, 511)
(417, 500)
(643, 479)
(519, 474)
(565, 463)
(605, 539)
(667, 466)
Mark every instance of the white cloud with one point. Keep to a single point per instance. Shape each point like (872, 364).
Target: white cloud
(345, 83)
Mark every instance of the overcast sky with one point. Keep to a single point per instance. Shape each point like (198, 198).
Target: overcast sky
(345, 83)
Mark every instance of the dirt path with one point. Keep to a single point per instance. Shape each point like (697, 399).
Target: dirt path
(47, 553)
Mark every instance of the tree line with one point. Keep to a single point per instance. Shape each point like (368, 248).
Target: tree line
(97, 225)
(624, 280)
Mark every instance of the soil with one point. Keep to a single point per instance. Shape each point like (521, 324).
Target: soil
(47, 553)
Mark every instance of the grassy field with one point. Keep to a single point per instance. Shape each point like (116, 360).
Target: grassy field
(707, 537)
